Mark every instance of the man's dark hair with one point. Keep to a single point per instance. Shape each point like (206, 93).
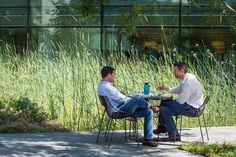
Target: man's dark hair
(181, 65)
(106, 70)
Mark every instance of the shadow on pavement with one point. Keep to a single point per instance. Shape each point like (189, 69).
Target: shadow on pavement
(72, 144)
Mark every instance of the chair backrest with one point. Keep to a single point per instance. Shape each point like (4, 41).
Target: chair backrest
(107, 105)
(203, 106)
(111, 111)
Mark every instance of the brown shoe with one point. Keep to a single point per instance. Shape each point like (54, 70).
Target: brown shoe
(160, 129)
(172, 138)
(155, 108)
(150, 143)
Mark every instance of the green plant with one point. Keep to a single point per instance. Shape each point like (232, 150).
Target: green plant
(21, 115)
(26, 108)
(210, 150)
(2, 104)
(65, 86)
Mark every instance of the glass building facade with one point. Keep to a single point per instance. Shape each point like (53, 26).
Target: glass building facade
(119, 25)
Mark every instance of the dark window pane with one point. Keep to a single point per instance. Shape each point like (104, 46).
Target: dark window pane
(13, 16)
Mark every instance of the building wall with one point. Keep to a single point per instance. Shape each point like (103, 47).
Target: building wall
(54, 24)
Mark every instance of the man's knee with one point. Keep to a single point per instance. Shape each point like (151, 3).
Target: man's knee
(149, 112)
(136, 98)
(164, 110)
(165, 102)
(139, 99)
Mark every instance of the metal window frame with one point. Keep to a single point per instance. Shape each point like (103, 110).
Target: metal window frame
(180, 26)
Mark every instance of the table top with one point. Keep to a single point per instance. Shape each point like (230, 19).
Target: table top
(154, 96)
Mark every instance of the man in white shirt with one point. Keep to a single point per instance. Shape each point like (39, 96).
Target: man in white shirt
(137, 105)
(190, 98)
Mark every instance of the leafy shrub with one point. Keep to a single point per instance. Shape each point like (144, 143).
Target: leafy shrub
(2, 103)
(7, 116)
(21, 116)
(26, 108)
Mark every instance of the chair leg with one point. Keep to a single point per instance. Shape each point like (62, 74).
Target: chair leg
(125, 131)
(158, 137)
(180, 128)
(109, 128)
(100, 126)
(136, 130)
(200, 128)
(130, 125)
(176, 120)
(205, 126)
(134, 126)
(113, 128)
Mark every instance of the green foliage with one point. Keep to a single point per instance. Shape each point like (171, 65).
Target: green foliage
(89, 7)
(13, 108)
(22, 115)
(220, 6)
(213, 3)
(66, 86)
(2, 103)
(130, 17)
(210, 150)
(26, 108)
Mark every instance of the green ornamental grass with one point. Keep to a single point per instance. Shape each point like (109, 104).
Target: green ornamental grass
(65, 82)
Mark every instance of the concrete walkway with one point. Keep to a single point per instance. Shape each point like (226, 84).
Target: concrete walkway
(83, 144)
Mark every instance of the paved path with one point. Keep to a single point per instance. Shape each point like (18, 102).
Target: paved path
(83, 144)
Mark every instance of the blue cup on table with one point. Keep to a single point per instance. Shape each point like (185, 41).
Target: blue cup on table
(146, 89)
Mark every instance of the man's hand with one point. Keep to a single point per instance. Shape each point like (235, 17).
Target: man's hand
(162, 87)
(122, 92)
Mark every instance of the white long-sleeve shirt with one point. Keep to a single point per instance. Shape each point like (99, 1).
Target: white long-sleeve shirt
(189, 91)
(114, 96)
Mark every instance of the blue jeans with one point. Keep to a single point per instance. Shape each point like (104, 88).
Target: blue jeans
(171, 108)
(138, 106)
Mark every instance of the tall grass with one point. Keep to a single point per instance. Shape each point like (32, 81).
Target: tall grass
(65, 85)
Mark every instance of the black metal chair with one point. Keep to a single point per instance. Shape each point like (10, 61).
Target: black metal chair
(198, 113)
(114, 114)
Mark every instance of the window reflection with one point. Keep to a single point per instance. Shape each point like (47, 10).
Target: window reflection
(153, 31)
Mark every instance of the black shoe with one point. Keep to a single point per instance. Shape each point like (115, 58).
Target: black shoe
(172, 138)
(160, 129)
(150, 143)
